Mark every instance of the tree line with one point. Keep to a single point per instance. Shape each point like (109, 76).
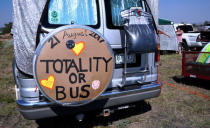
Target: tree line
(6, 29)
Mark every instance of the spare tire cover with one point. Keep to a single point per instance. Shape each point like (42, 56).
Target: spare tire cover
(73, 65)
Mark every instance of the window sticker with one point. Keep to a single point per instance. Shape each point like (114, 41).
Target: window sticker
(49, 83)
(79, 47)
(96, 84)
(54, 17)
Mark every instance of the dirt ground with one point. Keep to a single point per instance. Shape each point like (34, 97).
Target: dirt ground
(176, 107)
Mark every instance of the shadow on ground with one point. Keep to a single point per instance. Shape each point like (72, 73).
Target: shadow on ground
(205, 84)
(92, 120)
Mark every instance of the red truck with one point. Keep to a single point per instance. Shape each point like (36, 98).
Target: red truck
(194, 69)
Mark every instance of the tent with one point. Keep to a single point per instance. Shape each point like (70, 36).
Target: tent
(26, 18)
(167, 43)
(165, 22)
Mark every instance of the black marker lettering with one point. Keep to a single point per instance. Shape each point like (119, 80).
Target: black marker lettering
(47, 64)
(77, 92)
(67, 67)
(82, 78)
(61, 66)
(58, 41)
(101, 41)
(73, 64)
(107, 61)
(97, 37)
(97, 62)
(90, 66)
(60, 90)
(80, 66)
(53, 44)
(73, 78)
(92, 34)
(85, 90)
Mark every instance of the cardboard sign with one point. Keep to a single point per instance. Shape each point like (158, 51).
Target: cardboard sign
(73, 66)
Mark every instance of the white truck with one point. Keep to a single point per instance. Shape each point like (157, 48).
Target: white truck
(190, 37)
(206, 27)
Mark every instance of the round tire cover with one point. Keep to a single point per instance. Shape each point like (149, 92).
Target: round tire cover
(73, 65)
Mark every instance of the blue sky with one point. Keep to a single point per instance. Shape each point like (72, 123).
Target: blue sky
(189, 11)
(5, 11)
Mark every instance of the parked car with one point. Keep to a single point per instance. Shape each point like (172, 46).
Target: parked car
(68, 33)
(190, 38)
(206, 27)
(204, 37)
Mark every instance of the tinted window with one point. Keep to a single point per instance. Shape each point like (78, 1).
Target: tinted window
(80, 12)
(186, 28)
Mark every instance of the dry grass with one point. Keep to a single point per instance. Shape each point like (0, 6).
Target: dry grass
(173, 109)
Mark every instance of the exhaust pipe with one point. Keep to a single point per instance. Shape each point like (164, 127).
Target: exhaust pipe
(80, 117)
(106, 112)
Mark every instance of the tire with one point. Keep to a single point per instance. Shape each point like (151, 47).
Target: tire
(185, 46)
(82, 85)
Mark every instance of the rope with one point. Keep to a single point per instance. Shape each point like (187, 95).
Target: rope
(186, 89)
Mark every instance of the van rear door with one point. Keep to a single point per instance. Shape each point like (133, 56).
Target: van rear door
(142, 68)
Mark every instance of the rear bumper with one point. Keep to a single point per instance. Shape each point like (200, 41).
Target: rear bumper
(195, 44)
(39, 110)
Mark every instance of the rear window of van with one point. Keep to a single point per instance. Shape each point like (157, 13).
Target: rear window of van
(114, 7)
(79, 12)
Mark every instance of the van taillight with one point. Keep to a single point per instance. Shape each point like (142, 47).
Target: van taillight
(157, 59)
(157, 56)
(198, 38)
(158, 45)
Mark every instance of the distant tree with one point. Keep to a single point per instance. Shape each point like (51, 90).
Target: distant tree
(182, 23)
(7, 28)
(195, 25)
(206, 22)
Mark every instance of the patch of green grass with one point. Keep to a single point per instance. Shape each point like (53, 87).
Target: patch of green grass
(165, 124)
(6, 44)
(6, 98)
(4, 65)
(124, 123)
(2, 44)
(6, 83)
(7, 109)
